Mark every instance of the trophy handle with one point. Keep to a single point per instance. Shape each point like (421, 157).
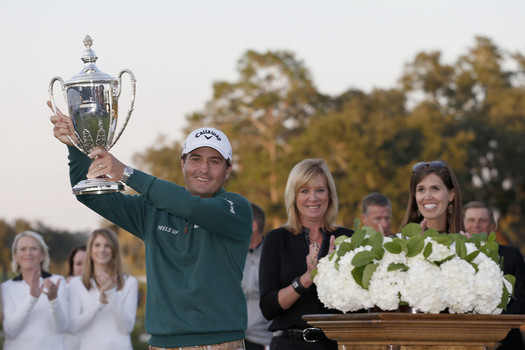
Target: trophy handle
(53, 105)
(130, 110)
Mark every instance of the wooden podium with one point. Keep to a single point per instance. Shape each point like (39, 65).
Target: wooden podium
(406, 331)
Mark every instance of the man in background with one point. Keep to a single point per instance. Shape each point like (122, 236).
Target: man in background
(257, 335)
(376, 212)
(478, 217)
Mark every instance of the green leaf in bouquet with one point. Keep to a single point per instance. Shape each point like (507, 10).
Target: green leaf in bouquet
(376, 251)
(340, 239)
(512, 280)
(341, 250)
(475, 266)
(506, 295)
(393, 247)
(439, 262)
(411, 230)
(501, 262)
(478, 239)
(344, 248)
(357, 224)
(491, 237)
(490, 248)
(493, 254)
(415, 246)
(504, 299)
(332, 255)
(379, 253)
(493, 246)
(357, 238)
(362, 258)
(428, 250)
(357, 274)
(402, 243)
(370, 230)
(367, 274)
(430, 233)
(461, 248)
(444, 239)
(376, 241)
(397, 266)
(470, 257)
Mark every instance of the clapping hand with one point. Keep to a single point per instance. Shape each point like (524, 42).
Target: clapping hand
(34, 287)
(423, 224)
(105, 283)
(311, 258)
(332, 246)
(466, 234)
(50, 289)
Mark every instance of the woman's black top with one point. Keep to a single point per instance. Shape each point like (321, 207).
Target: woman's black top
(283, 258)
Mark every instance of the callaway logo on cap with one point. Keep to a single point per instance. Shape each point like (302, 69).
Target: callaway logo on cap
(208, 137)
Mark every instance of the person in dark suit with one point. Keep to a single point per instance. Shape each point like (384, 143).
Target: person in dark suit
(376, 212)
(479, 217)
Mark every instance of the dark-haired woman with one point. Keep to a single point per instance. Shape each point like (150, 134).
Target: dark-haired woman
(434, 198)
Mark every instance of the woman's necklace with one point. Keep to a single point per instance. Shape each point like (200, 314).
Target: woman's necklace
(317, 240)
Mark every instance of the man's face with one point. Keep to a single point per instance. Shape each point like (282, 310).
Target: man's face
(477, 220)
(205, 171)
(379, 218)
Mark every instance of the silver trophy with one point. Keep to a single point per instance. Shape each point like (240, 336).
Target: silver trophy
(92, 99)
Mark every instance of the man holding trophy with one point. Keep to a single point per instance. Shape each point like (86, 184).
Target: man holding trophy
(196, 237)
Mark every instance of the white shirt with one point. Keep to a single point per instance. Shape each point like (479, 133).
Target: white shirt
(103, 326)
(71, 341)
(257, 331)
(31, 323)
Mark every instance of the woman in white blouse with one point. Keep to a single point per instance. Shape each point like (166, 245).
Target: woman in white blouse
(103, 300)
(34, 302)
(76, 266)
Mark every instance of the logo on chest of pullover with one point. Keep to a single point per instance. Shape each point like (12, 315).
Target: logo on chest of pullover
(167, 229)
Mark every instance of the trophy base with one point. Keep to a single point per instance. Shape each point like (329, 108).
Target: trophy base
(97, 186)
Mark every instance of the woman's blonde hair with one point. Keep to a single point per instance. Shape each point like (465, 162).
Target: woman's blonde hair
(302, 173)
(44, 266)
(116, 261)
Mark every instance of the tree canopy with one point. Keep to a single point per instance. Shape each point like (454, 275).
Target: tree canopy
(469, 112)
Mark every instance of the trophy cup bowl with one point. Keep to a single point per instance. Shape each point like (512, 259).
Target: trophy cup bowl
(92, 100)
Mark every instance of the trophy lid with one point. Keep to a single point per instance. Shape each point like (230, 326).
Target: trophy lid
(90, 72)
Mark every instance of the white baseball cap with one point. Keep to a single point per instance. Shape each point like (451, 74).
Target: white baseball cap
(208, 137)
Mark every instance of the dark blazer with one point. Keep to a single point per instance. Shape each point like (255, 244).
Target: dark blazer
(514, 264)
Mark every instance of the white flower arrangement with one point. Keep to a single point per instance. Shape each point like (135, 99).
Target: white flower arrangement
(429, 271)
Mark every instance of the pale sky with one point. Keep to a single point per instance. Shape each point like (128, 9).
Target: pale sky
(177, 49)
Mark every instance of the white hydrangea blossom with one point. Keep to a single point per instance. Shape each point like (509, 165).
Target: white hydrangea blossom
(385, 286)
(458, 281)
(439, 251)
(423, 287)
(337, 289)
(488, 285)
(454, 285)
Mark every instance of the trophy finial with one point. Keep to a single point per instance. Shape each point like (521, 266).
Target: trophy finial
(88, 55)
(88, 42)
